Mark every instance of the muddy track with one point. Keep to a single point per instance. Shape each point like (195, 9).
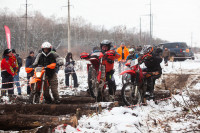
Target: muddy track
(22, 116)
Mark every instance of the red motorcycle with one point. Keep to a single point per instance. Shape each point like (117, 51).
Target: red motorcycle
(96, 73)
(133, 92)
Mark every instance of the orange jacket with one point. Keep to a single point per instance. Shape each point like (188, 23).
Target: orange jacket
(109, 66)
(126, 53)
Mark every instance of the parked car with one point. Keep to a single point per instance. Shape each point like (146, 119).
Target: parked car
(178, 50)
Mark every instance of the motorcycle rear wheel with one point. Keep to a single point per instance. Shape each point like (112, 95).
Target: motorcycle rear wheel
(92, 82)
(130, 95)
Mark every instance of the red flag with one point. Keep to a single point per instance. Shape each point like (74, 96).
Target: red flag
(8, 36)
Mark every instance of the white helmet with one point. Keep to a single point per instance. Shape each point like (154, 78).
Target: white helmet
(131, 50)
(46, 45)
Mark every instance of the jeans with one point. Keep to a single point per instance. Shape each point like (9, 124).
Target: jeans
(16, 80)
(67, 74)
(166, 59)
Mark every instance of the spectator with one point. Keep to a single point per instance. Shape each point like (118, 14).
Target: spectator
(16, 77)
(29, 61)
(69, 69)
(166, 55)
(123, 51)
(8, 67)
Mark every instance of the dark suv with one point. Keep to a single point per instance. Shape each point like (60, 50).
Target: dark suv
(179, 50)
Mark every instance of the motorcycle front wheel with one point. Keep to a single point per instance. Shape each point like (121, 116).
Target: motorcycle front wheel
(126, 78)
(131, 94)
(34, 96)
(92, 82)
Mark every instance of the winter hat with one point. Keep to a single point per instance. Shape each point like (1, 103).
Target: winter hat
(13, 51)
(7, 51)
(31, 52)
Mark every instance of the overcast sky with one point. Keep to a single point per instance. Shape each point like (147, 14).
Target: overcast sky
(173, 20)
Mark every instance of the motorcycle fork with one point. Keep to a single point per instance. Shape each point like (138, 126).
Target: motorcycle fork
(34, 92)
(137, 83)
(42, 89)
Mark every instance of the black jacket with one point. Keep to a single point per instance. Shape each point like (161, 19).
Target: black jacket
(19, 61)
(29, 61)
(153, 64)
(43, 60)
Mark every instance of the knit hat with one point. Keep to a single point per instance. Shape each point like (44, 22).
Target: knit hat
(13, 51)
(7, 51)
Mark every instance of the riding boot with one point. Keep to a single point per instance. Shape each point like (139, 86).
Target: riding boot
(111, 98)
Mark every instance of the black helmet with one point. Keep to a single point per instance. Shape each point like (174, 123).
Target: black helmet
(107, 43)
(148, 49)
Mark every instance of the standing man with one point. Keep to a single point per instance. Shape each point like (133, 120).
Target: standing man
(166, 55)
(16, 77)
(108, 61)
(123, 51)
(29, 61)
(8, 67)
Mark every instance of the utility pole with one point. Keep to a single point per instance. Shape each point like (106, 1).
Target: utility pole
(191, 39)
(140, 31)
(69, 36)
(150, 24)
(26, 26)
(26, 29)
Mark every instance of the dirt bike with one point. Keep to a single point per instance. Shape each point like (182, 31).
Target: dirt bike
(96, 73)
(37, 83)
(133, 92)
(127, 77)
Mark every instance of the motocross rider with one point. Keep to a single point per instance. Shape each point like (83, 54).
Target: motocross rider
(45, 59)
(152, 61)
(108, 61)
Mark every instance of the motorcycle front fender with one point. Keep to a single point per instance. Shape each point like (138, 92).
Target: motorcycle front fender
(131, 72)
(34, 80)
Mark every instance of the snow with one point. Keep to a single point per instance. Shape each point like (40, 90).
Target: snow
(166, 116)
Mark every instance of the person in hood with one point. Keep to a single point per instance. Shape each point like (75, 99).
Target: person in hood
(69, 69)
(9, 67)
(45, 58)
(16, 77)
(29, 61)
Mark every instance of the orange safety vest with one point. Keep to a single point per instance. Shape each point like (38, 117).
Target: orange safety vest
(126, 53)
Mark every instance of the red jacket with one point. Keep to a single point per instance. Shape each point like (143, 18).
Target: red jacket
(8, 64)
(109, 61)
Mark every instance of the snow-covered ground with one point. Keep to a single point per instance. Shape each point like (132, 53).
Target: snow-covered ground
(166, 116)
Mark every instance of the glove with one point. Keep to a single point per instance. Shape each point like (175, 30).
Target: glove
(14, 69)
(28, 70)
(110, 61)
(110, 53)
(51, 66)
(60, 62)
(73, 62)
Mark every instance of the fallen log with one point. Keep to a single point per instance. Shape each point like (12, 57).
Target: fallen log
(64, 100)
(17, 122)
(44, 109)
